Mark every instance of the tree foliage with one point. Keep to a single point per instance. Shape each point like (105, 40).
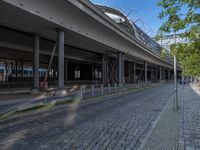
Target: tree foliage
(163, 54)
(184, 16)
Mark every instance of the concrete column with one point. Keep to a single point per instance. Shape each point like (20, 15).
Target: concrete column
(22, 69)
(60, 48)
(16, 70)
(169, 75)
(145, 71)
(156, 77)
(103, 68)
(121, 68)
(134, 72)
(160, 73)
(6, 73)
(66, 70)
(152, 73)
(164, 74)
(36, 48)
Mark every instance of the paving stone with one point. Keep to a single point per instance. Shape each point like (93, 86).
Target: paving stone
(118, 122)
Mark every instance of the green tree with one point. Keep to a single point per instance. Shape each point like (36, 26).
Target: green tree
(163, 54)
(184, 16)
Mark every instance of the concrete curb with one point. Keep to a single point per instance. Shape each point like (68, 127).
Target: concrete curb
(60, 101)
(29, 106)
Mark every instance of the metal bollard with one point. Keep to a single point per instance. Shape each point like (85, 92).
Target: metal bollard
(115, 87)
(81, 92)
(92, 90)
(101, 89)
(109, 90)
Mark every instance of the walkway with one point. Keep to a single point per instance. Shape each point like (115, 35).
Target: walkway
(177, 129)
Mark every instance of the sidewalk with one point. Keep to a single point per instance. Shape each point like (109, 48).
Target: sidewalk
(177, 130)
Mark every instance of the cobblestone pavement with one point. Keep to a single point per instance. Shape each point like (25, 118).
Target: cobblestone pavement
(190, 120)
(119, 122)
(164, 135)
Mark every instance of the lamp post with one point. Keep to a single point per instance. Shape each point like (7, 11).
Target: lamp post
(175, 79)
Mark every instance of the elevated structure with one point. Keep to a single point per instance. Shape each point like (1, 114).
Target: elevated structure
(167, 40)
(93, 43)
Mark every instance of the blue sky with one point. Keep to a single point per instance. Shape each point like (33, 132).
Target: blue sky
(147, 9)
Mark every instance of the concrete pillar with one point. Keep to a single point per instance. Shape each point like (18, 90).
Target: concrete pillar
(66, 70)
(102, 89)
(36, 48)
(134, 72)
(16, 70)
(156, 77)
(164, 74)
(22, 69)
(152, 73)
(145, 71)
(6, 73)
(60, 48)
(103, 68)
(169, 75)
(92, 90)
(121, 68)
(160, 73)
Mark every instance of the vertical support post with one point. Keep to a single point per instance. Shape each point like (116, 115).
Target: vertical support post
(121, 68)
(66, 70)
(16, 70)
(115, 87)
(145, 71)
(134, 73)
(104, 68)
(109, 90)
(6, 72)
(169, 75)
(160, 73)
(36, 48)
(164, 74)
(22, 70)
(156, 73)
(60, 47)
(102, 89)
(92, 90)
(152, 73)
(81, 92)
